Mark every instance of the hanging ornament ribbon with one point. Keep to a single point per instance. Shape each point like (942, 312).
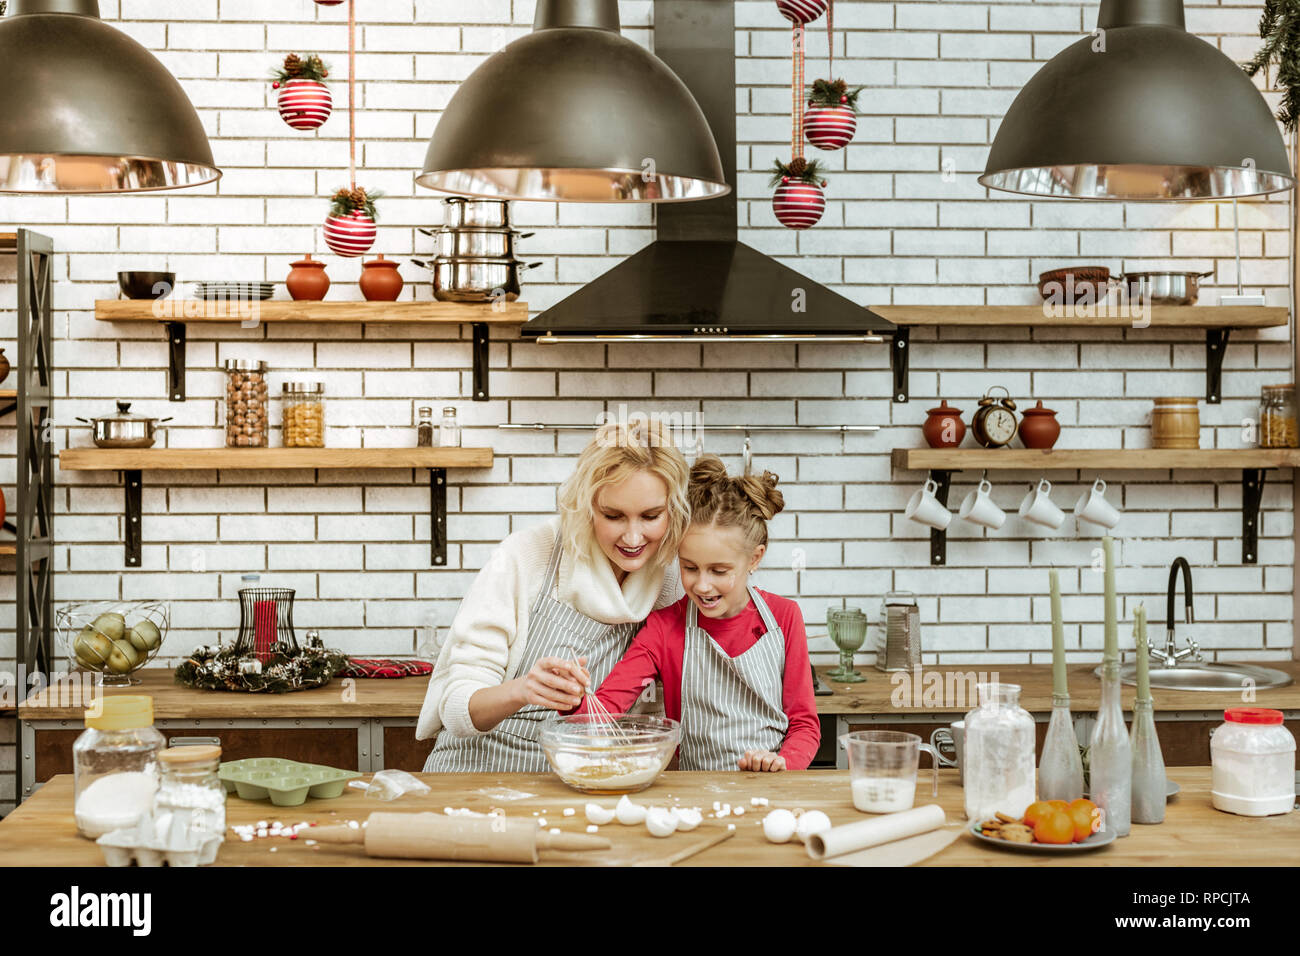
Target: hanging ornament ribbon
(796, 86)
(350, 227)
(830, 35)
(352, 95)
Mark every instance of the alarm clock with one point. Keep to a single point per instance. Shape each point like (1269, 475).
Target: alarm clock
(994, 423)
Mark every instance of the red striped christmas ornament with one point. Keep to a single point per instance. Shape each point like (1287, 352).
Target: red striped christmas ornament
(350, 235)
(798, 204)
(305, 104)
(829, 127)
(801, 11)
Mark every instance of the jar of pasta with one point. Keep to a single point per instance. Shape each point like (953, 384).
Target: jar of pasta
(1277, 417)
(304, 414)
(246, 422)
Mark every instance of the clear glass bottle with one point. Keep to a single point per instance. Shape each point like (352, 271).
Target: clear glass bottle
(424, 428)
(191, 787)
(998, 774)
(1277, 417)
(1060, 769)
(303, 414)
(449, 430)
(246, 421)
(1148, 800)
(115, 764)
(1110, 756)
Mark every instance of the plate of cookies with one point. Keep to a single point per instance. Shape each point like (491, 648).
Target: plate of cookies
(1006, 831)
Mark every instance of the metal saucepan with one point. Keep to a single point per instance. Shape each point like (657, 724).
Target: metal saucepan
(475, 280)
(125, 429)
(1164, 288)
(476, 242)
(458, 212)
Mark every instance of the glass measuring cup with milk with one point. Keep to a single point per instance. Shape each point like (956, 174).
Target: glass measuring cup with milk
(883, 767)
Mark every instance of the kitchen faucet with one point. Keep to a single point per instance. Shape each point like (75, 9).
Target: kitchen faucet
(1171, 656)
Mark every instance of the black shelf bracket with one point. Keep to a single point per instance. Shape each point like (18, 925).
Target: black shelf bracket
(175, 360)
(900, 362)
(1252, 493)
(939, 539)
(438, 516)
(1216, 345)
(8, 407)
(480, 362)
(132, 483)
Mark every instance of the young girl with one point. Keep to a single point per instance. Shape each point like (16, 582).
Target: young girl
(733, 659)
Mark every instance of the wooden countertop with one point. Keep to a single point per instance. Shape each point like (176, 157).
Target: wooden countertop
(42, 832)
(368, 698)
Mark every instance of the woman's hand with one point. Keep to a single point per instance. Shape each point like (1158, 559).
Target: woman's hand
(556, 683)
(761, 760)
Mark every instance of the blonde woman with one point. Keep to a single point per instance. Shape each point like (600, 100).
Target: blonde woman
(578, 586)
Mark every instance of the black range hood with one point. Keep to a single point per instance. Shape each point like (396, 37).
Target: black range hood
(697, 280)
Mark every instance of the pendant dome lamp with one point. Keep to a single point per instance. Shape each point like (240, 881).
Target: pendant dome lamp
(90, 109)
(574, 112)
(1139, 110)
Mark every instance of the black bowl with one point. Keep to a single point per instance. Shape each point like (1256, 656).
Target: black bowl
(140, 285)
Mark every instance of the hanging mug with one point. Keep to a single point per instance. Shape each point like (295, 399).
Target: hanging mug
(926, 509)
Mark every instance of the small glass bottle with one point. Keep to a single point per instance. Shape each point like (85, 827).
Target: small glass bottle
(1110, 756)
(449, 430)
(190, 786)
(998, 775)
(303, 414)
(1277, 417)
(115, 764)
(424, 428)
(1060, 770)
(1148, 801)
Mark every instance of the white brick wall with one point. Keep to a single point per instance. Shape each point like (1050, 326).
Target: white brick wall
(895, 231)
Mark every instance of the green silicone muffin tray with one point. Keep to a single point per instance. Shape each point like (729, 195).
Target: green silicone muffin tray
(286, 782)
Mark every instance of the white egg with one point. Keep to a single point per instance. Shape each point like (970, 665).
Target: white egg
(599, 815)
(629, 813)
(660, 822)
(814, 821)
(779, 826)
(689, 819)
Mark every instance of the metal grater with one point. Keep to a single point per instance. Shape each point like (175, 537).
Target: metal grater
(898, 646)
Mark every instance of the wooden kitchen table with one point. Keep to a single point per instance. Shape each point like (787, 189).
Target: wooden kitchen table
(41, 832)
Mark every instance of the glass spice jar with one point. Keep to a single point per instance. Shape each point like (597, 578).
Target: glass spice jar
(304, 414)
(424, 428)
(246, 421)
(190, 786)
(1277, 417)
(115, 764)
(449, 430)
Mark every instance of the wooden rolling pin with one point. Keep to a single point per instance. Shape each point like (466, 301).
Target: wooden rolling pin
(435, 836)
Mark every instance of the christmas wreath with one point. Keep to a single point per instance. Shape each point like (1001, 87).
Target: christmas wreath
(220, 668)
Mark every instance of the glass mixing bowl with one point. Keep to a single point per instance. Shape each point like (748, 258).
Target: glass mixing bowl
(622, 755)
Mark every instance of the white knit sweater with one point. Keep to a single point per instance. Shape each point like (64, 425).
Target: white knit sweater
(485, 645)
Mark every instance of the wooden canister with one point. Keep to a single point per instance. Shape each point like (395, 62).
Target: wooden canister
(1176, 423)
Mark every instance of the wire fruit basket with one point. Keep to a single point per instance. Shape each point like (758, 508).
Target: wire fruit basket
(113, 638)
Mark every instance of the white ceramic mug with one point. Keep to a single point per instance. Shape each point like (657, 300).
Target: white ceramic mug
(1092, 506)
(979, 508)
(926, 509)
(1038, 507)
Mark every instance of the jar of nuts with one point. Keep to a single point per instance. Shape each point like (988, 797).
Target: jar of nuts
(246, 422)
(1277, 417)
(304, 414)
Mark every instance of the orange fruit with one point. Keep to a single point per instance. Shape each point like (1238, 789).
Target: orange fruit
(1083, 802)
(1061, 805)
(1036, 811)
(1056, 827)
(1082, 816)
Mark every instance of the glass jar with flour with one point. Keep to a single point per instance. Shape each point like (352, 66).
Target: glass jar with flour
(115, 764)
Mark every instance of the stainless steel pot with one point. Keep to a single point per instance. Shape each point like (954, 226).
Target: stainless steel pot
(125, 429)
(1164, 288)
(476, 242)
(458, 212)
(475, 280)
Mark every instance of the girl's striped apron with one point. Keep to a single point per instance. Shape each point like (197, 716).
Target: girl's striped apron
(554, 630)
(731, 704)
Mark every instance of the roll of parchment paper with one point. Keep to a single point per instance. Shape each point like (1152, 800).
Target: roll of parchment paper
(868, 833)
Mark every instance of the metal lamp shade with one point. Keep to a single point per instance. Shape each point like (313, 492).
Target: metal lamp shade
(1159, 114)
(90, 109)
(574, 112)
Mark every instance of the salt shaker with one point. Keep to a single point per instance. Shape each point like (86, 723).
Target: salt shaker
(449, 430)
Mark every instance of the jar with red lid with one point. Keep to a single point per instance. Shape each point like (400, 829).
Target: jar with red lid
(1252, 757)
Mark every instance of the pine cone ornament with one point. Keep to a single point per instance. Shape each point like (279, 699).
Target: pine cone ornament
(798, 166)
(293, 65)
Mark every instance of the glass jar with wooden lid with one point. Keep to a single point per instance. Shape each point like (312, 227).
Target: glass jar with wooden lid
(303, 414)
(1176, 423)
(1277, 417)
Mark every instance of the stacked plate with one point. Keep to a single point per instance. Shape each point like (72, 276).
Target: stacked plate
(234, 290)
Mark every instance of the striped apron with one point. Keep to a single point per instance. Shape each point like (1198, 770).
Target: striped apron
(554, 630)
(731, 704)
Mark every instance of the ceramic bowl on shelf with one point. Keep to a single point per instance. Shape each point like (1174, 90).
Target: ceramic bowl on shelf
(146, 285)
(113, 638)
(622, 755)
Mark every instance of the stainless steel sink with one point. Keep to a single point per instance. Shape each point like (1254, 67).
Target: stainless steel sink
(1207, 677)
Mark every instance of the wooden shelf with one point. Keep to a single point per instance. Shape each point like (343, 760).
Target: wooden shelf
(1087, 459)
(1162, 316)
(195, 459)
(8, 549)
(199, 310)
(8, 242)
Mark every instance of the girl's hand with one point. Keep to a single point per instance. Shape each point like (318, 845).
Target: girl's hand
(762, 760)
(556, 683)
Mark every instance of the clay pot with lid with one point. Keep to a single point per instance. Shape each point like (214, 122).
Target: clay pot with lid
(307, 280)
(1039, 427)
(944, 427)
(380, 280)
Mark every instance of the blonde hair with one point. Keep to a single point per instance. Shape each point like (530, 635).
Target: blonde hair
(747, 502)
(618, 451)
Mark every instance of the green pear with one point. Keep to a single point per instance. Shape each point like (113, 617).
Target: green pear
(124, 658)
(144, 636)
(111, 624)
(92, 648)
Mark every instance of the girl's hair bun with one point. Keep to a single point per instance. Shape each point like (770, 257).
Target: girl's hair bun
(747, 502)
(761, 492)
